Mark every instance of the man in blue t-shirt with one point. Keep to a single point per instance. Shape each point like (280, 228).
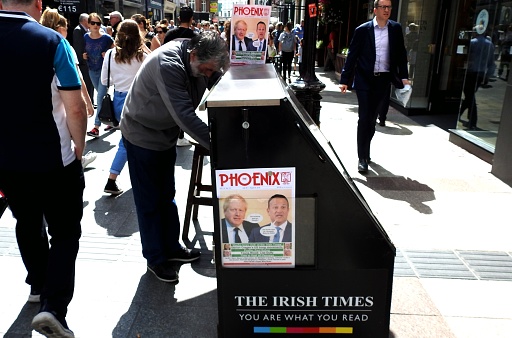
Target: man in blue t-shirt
(41, 173)
(298, 31)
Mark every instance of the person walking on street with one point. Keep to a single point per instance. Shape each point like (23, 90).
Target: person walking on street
(480, 64)
(124, 61)
(79, 46)
(287, 50)
(182, 32)
(115, 19)
(162, 99)
(332, 50)
(376, 59)
(52, 19)
(34, 163)
(96, 44)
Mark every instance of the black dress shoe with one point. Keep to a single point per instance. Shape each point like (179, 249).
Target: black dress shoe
(382, 123)
(362, 167)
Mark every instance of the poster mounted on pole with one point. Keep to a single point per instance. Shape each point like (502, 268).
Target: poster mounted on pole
(257, 217)
(249, 34)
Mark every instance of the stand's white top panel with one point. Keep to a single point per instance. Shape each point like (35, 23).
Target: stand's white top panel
(249, 85)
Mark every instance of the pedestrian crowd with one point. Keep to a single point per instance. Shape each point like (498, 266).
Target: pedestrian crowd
(159, 75)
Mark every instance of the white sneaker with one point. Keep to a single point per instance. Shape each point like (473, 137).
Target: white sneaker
(88, 159)
(183, 142)
(49, 326)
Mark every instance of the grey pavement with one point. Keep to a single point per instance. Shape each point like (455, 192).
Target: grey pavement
(448, 216)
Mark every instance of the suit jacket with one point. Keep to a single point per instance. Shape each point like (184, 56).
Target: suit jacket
(361, 56)
(248, 228)
(262, 47)
(256, 236)
(247, 41)
(79, 43)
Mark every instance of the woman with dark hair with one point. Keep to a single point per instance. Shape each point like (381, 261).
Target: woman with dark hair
(125, 60)
(96, 44)
(287, 49)
(160, 31)
(149, 39)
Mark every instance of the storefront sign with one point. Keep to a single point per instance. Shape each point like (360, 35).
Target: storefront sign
(70, 6)
(482, 21)
(312, 10)
(214, 8)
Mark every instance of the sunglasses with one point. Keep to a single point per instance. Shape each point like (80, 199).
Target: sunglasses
(97, 23)
(159, 32)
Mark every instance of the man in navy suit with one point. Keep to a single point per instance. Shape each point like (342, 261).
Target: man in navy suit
(79, 46)
(261, 42)
(278, 209)
(234, 227)
(239, 41)
(376, 59)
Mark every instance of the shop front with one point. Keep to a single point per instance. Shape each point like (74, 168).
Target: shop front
(169, 10)
(459, 59)
(452, 75)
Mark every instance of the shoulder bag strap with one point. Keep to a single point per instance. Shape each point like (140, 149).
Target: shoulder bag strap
(108, 73)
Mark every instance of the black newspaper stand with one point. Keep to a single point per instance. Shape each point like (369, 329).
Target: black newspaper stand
(342, 279)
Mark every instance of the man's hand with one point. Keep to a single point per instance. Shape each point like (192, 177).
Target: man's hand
(406, 82)
(343, 88)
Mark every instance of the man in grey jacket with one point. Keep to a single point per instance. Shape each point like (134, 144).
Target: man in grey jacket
(163, 98)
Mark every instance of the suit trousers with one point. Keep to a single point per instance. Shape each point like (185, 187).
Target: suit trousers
(372, 103)
(84, 69)
(56, 196)
(152, 178)
(471, 84)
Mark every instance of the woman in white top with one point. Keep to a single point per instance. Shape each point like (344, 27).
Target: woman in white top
(125, 60)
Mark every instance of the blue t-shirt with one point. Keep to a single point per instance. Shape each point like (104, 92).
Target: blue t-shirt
(94, 49)
(299, 32)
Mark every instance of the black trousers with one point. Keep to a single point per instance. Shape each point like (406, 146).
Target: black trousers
(287, 58)
(372, 103)
(84, 69)
(471, 84)
(56, 196)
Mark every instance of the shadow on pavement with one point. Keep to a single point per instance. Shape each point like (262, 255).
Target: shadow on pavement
(399, 188)
(21, 326)
(393, 129)
(110, 213)
(155, 312)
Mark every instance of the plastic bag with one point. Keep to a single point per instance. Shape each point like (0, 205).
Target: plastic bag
(403, 95)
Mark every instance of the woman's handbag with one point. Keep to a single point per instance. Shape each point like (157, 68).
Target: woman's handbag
(106, 114)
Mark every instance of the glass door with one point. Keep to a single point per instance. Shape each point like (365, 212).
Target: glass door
(484, 42)
(419, 19)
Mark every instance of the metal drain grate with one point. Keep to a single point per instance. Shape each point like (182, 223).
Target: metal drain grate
(402, 266)
(488, 265)
(438, 264)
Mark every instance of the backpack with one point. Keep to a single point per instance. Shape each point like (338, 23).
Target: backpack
(287, 44)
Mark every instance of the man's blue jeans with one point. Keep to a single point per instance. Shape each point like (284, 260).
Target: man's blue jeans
(152, 178)
(95, 76)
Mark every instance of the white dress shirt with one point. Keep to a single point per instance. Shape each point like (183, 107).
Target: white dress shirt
(232, 233)
(381, 47)
(237, 44)
(281, 233)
